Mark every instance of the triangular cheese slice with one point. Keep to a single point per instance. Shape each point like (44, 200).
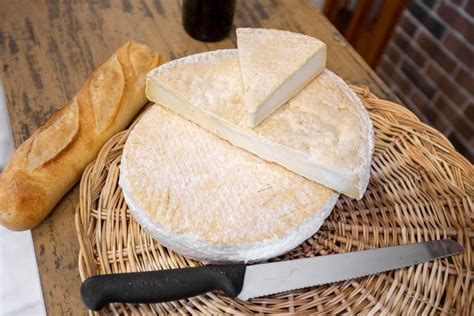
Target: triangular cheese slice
(275, 65)
(324, 133)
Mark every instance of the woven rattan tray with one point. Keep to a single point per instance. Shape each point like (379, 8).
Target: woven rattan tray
(420, 189)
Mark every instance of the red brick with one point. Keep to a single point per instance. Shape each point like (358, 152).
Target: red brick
(469, 7)
(419, 98)
(422, 104)
(460, 49)
(445, 84)
(429, 3)
(401, 40)
(407, 25)
(404, 44)
(465, 79)
(463, 127)
(445, 108)
(458, 2)
(402, 81)
(434, 73)
(469, 112)
(418, 78)
(393, 54)
(453, 17)
(417, 56)
(429, 21)
(435, 51)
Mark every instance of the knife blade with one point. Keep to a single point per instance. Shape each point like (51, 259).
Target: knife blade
(248, 281)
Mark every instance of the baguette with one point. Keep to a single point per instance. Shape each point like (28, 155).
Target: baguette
(51, 161)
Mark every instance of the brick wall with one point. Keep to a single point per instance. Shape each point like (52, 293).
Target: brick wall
(429, 63)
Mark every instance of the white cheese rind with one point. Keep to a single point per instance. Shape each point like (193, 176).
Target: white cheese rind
(211, 201)
(332, 145)
(275, 65)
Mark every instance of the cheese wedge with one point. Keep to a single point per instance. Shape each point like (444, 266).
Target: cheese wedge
(324, 133)
(208, 200)
(275, 65)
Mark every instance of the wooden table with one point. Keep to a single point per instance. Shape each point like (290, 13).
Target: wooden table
(48, 49)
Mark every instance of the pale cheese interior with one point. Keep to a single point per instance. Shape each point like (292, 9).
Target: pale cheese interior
(289, 88)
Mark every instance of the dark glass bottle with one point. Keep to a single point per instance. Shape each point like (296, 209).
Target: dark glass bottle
(208, 20)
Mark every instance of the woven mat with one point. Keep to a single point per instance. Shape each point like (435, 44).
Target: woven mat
(420, 189)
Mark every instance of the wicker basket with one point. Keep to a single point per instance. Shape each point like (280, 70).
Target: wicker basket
(420, 189)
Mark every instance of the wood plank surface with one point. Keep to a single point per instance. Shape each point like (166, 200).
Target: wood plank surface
(48, 49)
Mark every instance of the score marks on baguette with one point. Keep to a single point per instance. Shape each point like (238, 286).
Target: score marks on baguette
(110, 82)
(62, 126)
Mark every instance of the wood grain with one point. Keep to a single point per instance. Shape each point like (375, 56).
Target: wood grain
(49, 48)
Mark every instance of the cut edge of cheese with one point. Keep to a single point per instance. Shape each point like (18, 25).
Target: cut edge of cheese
(192, 246)
(259, 106)
(313, 67)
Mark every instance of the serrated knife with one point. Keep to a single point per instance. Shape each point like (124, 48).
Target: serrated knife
(248, 281)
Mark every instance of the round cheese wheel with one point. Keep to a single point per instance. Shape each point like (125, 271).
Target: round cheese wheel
(208, 200)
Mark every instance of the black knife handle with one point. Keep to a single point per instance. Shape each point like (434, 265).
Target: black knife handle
(161, 286)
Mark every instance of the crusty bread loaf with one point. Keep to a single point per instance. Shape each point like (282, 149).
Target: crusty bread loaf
(51, 161)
